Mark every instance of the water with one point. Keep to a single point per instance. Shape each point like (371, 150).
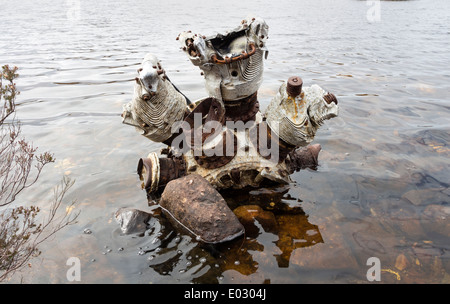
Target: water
(382, 188)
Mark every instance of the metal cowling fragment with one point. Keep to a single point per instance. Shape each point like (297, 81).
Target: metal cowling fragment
(243, 109)
(296, 112)
(157, 104)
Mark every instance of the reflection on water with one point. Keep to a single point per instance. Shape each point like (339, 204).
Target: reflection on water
(269, 212)
(382, 187)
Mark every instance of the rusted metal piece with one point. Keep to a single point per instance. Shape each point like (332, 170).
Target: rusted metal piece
(303, 158)
(191, 49)
(211, 110)
(242, 56)
(170, 169)
(223, 158)
(144, 170)
(329, 98)
(235, 175)
(294, 86)
(208, 110)
(242, 110)
(157, 172)
(192, 202)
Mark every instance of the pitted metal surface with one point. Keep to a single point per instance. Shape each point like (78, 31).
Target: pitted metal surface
(223, 140)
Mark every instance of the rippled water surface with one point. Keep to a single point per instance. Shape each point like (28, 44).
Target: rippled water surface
(382, 188)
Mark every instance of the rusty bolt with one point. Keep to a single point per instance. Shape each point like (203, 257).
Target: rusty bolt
(294, 86)
(329, 98)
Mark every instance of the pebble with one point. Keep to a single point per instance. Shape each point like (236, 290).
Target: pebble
(401, 262)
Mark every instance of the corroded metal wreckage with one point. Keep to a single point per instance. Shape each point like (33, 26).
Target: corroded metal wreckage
(223, 141)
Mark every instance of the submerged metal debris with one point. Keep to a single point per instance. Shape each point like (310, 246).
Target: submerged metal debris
(224, 139)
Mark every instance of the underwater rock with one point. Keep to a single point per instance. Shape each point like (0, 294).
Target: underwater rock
(248, 214)
(420, 197)
(197, 206)
(401, 262)
(132, 220)
(435, 219)
(295, 231)
(407, 220)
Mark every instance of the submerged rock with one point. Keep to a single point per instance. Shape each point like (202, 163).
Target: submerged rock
(420, 197)
(132, 220)
(192, 202)
(435, 219)
(248, 214)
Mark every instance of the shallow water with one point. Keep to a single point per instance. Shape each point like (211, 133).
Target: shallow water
(382, 188)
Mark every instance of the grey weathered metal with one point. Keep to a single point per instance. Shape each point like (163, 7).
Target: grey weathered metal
(232, 63)
(156, 103)
(224, 140)
(297, 119)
